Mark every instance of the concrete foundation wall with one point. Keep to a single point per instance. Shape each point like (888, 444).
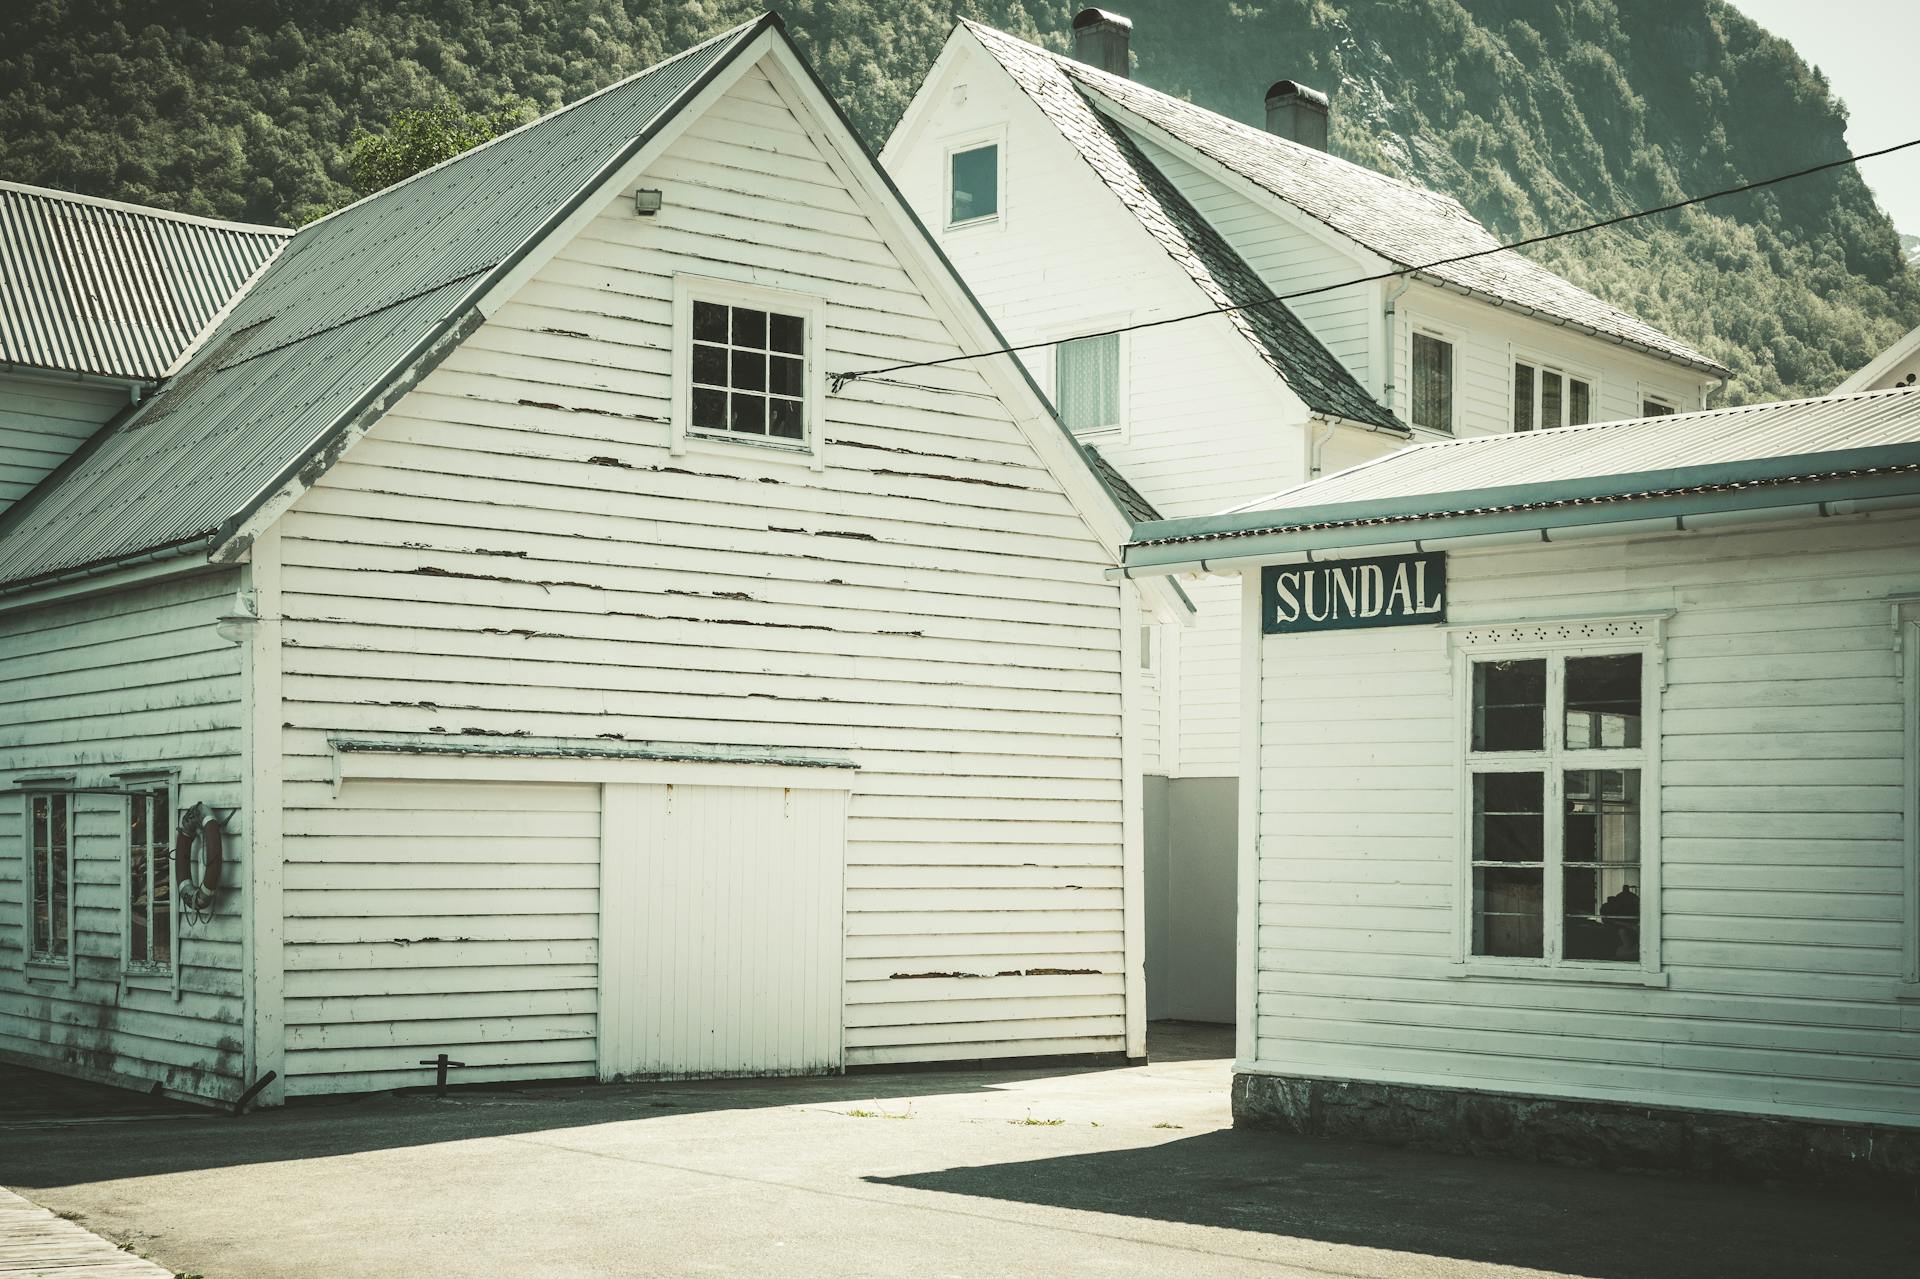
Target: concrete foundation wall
(1869, 1157)
(1190, 838)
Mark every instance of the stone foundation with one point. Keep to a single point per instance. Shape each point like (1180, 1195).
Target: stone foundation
(1596, 1134)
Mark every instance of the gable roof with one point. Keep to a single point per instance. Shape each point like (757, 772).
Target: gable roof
(1407, 225)
(107, 289)
(1881, 364)
(364, 303)
(360, 298)
(1606, 472)
(1223, 276)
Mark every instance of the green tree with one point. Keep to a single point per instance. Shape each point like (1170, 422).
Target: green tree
(421, 138)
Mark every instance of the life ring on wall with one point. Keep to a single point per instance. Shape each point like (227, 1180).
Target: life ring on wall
(200, 826)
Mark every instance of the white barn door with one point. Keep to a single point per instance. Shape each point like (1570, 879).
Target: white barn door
(720, 930)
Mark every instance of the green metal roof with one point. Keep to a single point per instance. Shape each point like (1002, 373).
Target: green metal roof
(351, 305)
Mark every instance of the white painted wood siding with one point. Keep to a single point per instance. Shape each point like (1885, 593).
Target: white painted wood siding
(1486, 341)
(722, 919)
(41, 423)
(426, 917)
(514, 551)
(131, 680)
(1781, 857)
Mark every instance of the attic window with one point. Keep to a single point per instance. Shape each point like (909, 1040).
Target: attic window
(747, 367)
(1087, 377)
(973, 185)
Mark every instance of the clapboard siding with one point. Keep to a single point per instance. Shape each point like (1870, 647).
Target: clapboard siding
(429, 917)
(135, 679)
(41, 423)
(513, 551)
(1781, 858)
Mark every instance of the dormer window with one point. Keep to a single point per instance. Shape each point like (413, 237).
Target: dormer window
(1544, 396)
(974, 179)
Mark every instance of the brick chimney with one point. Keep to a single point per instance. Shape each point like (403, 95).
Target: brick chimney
(1296, 112)
(1100, 40)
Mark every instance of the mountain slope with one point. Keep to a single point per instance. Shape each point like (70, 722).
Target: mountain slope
(1535, 116)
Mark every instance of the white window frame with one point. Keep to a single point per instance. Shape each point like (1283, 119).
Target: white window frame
(54, 790)
(132, 973)
(683, 439)
(1122, 431)
(1542, 364)
(1643, 394)
(1417, 323)
(1555, 641)
(955, 145)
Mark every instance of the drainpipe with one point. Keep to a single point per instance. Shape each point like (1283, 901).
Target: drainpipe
(1393, 346)
(1314, 448)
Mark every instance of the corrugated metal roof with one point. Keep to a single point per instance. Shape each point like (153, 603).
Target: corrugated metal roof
(1405, 224)
(114, 290)
(1222, 275)
(1616, 462)
(354, 300)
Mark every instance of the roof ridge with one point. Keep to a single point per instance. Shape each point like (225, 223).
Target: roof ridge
(145, 210)
(562, 109)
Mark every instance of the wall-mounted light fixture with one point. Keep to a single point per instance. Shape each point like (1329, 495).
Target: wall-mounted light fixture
(646, 203)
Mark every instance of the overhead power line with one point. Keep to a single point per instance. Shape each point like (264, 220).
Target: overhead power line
(841, 380)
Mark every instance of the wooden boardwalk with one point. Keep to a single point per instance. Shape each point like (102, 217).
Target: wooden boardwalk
(34, 1242)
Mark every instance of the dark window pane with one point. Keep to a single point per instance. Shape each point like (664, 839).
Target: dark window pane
(784, 376)
(42, 879)
(1507, 918)
(709, 410)
(1523, 397)
(1550, 406)
(783, 419)
(1602, 913)
(787, 333)
(162, 880)
(1603, 816)
(1603, 702)
(749, 371)
(57, 854)
(749, 328)
(138, 853)
(710, 364)
(1509, 817)
(1654, 408)
(1509, 705)
(976, 184)
(709, 322)
(1579, 410)
(749, 415)
(1432, 382)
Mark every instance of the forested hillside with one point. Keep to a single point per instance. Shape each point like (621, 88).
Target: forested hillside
(1535, 114)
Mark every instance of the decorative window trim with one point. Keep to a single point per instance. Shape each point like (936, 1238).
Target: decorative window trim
(683, 438)
(1544, 363)
(996, 138)
(1122, 431)
(53, 790)
(1417, 322)
(134, 975)
(1557, 640)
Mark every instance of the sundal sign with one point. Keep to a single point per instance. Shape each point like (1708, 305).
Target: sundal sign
(1394, 590)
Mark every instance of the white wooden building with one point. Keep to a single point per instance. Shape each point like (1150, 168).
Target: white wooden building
(586, 686)
(1898, 365)
(1076, 201)
(1596, 838)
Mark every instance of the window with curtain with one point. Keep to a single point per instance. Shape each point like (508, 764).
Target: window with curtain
(1087, 382)
(1432, 400)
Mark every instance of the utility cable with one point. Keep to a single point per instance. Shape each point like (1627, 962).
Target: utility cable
(841, 380)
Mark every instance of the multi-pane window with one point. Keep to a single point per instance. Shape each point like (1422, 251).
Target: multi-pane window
(974, 180)
(1432, 400)
(1650, 407)
(1557, 756)
(749, 372)
(1545, 397)
(1087, 377)
(50, 877)
(149, 882)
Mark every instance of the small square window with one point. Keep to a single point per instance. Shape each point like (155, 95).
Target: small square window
(749, 372)
(975, 183)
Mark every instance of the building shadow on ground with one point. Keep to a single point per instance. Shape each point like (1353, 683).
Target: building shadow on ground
(1573, 1221)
